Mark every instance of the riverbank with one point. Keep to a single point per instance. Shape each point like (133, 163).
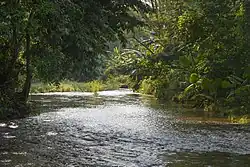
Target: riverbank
(114, 84)
(72, 86)
(190, 96)
(14, 108)
(68, 86)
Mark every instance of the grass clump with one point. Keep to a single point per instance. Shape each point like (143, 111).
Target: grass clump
(67, 86)
(43, 87)
(112, 83)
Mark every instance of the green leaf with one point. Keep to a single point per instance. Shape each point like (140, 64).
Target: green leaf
(193, 78)
(226, 84)
(184, 61)
(189, 88)
(247, 73)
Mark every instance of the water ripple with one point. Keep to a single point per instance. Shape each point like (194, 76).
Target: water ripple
(118, 128)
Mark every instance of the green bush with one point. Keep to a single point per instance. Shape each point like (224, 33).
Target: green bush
(112, 83)
(148, 86)
(238, 101)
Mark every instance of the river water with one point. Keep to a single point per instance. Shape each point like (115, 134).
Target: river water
(118, 128)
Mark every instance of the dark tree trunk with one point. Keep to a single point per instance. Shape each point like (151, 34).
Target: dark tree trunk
(27, 84)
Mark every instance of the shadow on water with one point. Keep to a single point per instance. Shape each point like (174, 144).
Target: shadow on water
(118, 128)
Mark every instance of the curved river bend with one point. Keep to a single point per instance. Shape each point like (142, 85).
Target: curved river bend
(118, 128)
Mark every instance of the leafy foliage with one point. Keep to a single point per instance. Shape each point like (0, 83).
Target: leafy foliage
(53, 40)
(198, 50)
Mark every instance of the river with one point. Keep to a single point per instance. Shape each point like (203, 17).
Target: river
(118, 128)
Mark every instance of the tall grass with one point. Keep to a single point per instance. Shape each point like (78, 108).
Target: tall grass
(43, 87)
(112, 83)
(67, 86)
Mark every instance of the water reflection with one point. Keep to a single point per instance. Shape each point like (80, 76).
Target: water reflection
(119, 128)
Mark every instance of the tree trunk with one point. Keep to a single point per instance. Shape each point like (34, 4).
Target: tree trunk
(27, 84)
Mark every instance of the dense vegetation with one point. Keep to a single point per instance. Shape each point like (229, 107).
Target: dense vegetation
(192, 52)
(53, 40)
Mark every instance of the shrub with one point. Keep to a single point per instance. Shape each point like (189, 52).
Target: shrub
(147, 86)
